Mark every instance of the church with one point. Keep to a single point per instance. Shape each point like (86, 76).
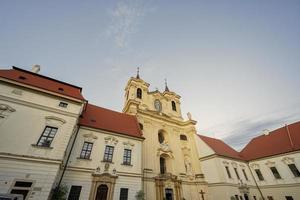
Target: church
(54, 141)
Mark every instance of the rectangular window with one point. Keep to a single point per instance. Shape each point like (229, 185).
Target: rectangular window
(86, 150)
(21, 187)
(254, 197)
(236, 197)
(270, 198)
(275, 172)
(47, 136)
(236, 173)
(74, 193)
(127, 157)
(294, 170)
(259, 174)
(124, 194)
(228, 172)
(244, 172)
(63, 104)
(289, 198)
(108, 153)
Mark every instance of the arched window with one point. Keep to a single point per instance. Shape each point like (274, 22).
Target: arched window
(141, 126)
(173, 105)
(161, 137)
(163, 168)
(139, 93)
(183, 137)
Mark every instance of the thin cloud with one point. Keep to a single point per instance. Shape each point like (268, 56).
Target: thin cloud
(126, 17)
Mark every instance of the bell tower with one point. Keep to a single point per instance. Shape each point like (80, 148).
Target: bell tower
(136, 91)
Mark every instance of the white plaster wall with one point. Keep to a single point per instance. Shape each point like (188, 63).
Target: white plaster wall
(97, 154)
(134, 184)
(42, 174)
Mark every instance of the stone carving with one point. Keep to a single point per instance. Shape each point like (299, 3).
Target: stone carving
(188, 165)
(90, 137)
(189, 115)
(165, 147)
(17, 92)
(111, 140)
(288, 160)
(106, 167)
(128, 145)
(54, 121)
(270, 163)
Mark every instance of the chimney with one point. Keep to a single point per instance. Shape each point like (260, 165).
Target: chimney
(266, 132)
(36, 69)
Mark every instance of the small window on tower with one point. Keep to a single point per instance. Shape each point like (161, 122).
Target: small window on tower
(141, 126)
(139, 93)
(173, 105)
(63, 104)
(183, 137)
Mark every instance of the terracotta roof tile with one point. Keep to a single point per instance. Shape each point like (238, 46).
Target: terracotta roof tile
(220, 147)
(105, 119)
(42, 82)
(276, 142)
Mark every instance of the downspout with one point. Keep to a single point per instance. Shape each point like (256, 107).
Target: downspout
(68, 158)
(72, 146)
(255, 182)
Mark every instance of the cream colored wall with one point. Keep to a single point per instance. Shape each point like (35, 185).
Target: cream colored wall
(41, 174)
(288, 185)
(97, 137)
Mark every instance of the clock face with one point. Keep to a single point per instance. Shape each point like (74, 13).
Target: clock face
(157, 105)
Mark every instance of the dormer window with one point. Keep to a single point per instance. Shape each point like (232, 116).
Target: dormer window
(61, 89)
(173, 106)
(139, 93)
(22, 77)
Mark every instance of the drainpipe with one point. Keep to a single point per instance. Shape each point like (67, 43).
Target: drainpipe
(255, 182)
(72, 146)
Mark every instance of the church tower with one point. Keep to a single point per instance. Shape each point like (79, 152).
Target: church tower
(170, 166)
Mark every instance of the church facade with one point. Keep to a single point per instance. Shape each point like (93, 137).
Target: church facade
(52, 138)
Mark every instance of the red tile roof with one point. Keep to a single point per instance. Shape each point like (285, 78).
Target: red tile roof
(220, 147)
(42, 82)
(276, 142)
(108, 120)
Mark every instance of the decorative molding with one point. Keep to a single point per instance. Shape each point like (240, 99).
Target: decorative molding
(225, 162)
(234, 164)
(288, 160)
(90, 137)
(270, 163)
(254, 166)
(111, 140)
(128, 145)
(17, 92)
(54, 121)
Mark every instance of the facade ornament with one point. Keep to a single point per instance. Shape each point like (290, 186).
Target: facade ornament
(288, 160)
(54, 121)
(128, 145)
(254, 166)
(90, 137)
(165, 147)
(270, 163)
(111, 140)
(234, 164)
(4, 108)
(17, 92)
(188, 165)
(189, 115)
(106, 167)
(225, 162)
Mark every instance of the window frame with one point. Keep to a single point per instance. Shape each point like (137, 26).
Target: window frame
(245, 175)
(183, 137)
(73, 197)
(139, 93)
(259, 175)
(86, 150)
(127, 157)
(47, 136)
(295, 170)
(108, 153)
(228, 172)
(174, 106)
(275, 172)
(237, 173)
(125, 197)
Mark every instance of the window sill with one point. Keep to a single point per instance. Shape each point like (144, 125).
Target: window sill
(128, 165)
(87, 159)
(107, 161)
(41, 147)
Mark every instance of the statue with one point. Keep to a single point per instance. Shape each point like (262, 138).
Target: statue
(188, 165)
(189, 115)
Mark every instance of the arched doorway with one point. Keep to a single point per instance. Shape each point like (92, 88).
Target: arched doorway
(102, 192)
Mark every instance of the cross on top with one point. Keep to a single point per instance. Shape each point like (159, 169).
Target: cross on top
(202, 194)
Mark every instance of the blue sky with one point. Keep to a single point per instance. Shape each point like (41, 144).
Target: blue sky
(235, 63)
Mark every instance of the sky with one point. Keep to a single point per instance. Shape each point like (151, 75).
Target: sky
(236, 64)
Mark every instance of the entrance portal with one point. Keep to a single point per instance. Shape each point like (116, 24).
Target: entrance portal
(169, 194)
(102, 192)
